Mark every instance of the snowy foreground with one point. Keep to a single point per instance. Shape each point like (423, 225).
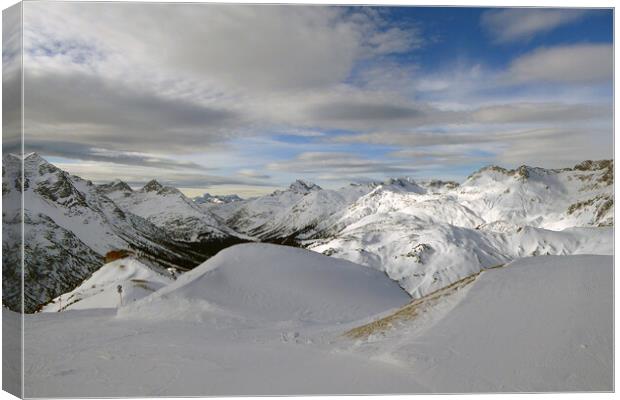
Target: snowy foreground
(265, 319)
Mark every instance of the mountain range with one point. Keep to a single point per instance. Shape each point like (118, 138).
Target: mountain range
(424, 235)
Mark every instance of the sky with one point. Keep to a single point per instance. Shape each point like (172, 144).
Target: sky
(247, 98)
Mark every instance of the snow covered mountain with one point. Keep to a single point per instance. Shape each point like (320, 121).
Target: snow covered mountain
(69, 225)
(286, 213)
(216, 199)
(428, 239)
(169, 209)
(551, 199)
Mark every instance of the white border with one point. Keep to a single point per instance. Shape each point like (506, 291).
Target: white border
(479, 3)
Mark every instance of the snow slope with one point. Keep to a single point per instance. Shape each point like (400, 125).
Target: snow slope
(277, 283)
(538, 324)
(100, 289)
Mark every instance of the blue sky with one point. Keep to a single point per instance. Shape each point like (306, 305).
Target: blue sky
(240, 98)
(462, 35)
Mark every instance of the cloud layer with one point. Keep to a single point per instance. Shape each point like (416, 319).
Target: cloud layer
(571, 64)
(512, 24)
(201, 95)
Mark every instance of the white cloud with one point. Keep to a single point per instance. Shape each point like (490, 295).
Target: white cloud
(512, 24)
(584, 63)
(394, 40)
(250, 173)
(557, 113)
(11, 78)
(551, 146)
(180, 78)
(438, 157)
(339, 164)
(244, 47)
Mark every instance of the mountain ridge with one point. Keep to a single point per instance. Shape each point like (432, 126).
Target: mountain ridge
(422, 234)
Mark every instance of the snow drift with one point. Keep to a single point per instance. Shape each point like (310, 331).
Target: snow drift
(278, 283)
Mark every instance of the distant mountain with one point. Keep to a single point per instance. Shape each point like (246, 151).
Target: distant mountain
(169, 209)
(545, 198)
(427, 240)
(285, 213)
(116, 186)
(303, 187)
(216, 199)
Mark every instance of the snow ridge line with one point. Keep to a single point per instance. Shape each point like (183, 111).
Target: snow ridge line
(414, 308)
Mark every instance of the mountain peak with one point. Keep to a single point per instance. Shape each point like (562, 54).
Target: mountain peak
(34, 158)
(34, 164)
(31, 159)
(116, 185)
(152, 186)
(302, 186)
(524, 172)
(404, 183)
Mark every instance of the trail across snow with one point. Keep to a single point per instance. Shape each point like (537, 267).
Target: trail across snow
(538, 324)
